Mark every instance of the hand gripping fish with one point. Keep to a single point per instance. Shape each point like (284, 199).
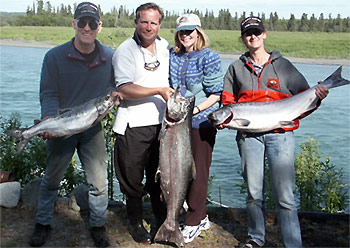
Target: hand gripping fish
(265, 116)
(176, 163)
(73, 121)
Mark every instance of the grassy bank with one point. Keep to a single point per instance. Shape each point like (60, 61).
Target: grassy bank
(290, 44)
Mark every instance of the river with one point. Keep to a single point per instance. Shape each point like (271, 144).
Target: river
(330, 124)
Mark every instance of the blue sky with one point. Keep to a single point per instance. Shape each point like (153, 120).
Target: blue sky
(284, 8)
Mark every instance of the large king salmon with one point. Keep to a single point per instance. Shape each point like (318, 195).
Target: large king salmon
(72, 121)
(265, 116)
(176, 163)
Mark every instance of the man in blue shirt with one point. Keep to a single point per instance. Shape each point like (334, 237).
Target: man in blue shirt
(72, 74)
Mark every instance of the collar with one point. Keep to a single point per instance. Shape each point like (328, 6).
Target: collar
(275, 54)
(73, 53)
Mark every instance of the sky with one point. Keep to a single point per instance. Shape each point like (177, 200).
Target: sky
(284, 8)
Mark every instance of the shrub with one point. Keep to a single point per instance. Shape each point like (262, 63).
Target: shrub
(30, 163)
(26, 165)
(318, 184)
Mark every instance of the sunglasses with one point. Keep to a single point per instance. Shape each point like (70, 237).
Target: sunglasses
(152, 66)
(256, 32)
(93, 24)
(185, 32)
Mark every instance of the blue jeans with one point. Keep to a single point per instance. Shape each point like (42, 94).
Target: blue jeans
(278, 148)
(90, 147)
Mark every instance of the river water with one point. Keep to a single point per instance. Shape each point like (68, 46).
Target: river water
(330, 124)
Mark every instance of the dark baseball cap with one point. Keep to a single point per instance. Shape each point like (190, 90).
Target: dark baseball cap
(87, 9)
(252, 22)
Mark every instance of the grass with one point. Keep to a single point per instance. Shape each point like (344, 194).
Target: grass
(292, 44)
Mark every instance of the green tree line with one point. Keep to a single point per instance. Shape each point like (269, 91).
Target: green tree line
(44, 14)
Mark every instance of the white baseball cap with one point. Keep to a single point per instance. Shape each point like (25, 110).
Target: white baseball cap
(187, 22)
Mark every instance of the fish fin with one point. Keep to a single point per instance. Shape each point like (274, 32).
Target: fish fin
(157, 175)
(100, 117)
(21, 144)
(170, 235)
(17, 134)
(242, 122)
(335, 79)
(194, 172)
(287, 124)
(162, 130)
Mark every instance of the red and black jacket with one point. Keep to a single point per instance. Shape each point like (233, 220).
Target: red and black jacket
(278, 79)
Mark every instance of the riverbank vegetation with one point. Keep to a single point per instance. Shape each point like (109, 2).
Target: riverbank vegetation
(320, 45)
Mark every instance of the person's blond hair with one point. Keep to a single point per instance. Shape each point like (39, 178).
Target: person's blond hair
(202, 42)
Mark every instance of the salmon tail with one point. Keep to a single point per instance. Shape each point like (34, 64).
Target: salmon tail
(170, 236)
(335, 80)
(21, 141)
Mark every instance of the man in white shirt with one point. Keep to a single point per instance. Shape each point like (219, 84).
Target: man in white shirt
(141, 66)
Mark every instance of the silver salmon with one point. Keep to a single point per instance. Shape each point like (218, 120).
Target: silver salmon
(265, 116)
(176, 164)
(72, 121)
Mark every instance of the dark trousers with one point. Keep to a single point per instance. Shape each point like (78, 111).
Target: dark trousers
(136, 152)
(203, 141)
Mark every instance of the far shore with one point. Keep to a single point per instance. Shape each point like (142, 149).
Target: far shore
(25, 43)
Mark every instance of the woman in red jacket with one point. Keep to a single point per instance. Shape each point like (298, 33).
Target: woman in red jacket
(262, 76)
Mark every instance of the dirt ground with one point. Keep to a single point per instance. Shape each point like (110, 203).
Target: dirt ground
(228, 228)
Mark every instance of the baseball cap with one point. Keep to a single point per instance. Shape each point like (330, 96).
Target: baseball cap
(252, 22)
(87, 9)
(187, 22)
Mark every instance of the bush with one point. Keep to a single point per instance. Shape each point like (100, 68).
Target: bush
(30, 163)
(319, 184)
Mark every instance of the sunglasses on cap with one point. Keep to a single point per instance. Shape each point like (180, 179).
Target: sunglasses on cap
(256, 32)
(93, 24)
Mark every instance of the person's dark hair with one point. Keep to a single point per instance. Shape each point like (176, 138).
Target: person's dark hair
(147, 6)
